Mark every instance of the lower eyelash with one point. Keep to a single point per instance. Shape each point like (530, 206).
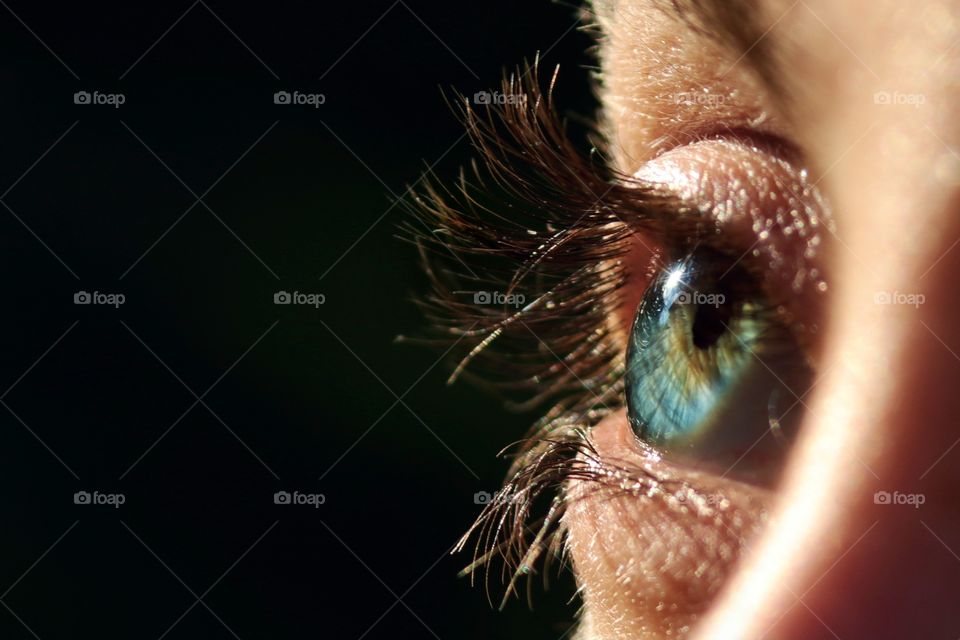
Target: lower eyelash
(538, 219)
(508, 530)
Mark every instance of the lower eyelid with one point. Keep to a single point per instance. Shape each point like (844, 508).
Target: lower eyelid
(660, 552)
(616, 445)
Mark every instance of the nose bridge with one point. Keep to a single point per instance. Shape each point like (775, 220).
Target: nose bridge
(888, 537)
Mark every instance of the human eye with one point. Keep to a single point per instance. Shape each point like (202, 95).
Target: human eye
(724, 413)
(668, 329)
(677, 304)
(713, 370)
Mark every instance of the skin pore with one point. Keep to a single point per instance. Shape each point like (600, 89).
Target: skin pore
(864, 94)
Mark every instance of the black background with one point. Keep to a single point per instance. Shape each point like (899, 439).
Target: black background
(292, 398)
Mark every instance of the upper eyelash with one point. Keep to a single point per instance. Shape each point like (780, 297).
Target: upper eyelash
(536, 216)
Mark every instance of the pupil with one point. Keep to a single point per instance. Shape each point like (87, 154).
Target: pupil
(709, 324)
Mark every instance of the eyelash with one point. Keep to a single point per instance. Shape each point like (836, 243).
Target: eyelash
(538, 217)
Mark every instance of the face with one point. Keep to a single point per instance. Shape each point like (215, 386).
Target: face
(756, 291)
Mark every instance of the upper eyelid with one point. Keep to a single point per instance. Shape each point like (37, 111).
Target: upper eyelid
(777, 222)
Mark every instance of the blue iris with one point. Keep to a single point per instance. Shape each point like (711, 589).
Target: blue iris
(690, 346)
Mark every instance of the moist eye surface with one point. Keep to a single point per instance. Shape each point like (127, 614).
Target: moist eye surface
(713, 374)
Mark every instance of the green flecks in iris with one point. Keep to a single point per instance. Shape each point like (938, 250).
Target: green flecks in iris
(690, 343)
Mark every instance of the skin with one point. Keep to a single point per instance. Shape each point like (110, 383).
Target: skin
(813, 556)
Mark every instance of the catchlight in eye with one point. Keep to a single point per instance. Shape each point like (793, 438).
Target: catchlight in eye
(714, 374)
